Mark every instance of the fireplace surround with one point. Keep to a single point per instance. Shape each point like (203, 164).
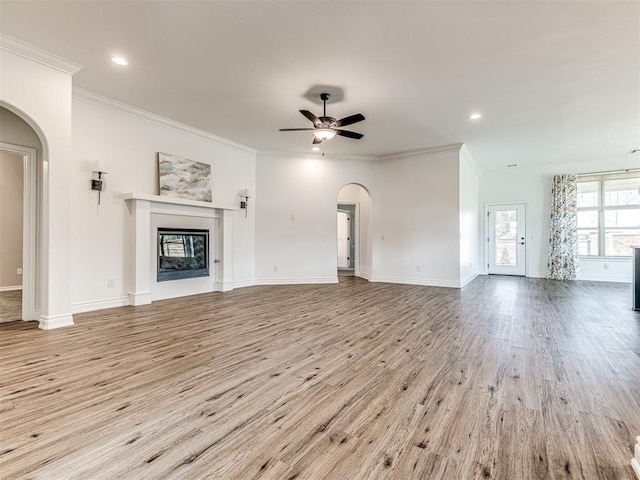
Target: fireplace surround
(148, 213)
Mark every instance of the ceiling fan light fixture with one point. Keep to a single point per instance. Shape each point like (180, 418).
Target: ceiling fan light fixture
(324, 133)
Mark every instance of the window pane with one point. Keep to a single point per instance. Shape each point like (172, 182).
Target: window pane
(506, 229)
(622, 218)
(618, 242)
(623, 191)
(588, 219)
(588, 194)
(588, 242)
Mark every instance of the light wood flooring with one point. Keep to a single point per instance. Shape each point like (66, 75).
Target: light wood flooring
(10, 305)
(509, 378)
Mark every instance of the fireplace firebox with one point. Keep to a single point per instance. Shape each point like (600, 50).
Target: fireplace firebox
(182, 253)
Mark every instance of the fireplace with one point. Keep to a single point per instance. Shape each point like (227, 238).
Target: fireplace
(182, 253)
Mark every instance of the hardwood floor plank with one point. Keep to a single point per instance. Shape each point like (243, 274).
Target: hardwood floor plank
(508, 378)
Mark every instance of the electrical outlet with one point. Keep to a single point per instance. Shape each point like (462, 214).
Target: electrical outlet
(606, 266)
(293, 217)
(19, 271)
(382, 237)
(418, 268)
(111, 282)
(275, 268)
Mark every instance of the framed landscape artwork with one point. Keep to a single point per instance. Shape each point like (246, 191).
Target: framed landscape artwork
(183, 178)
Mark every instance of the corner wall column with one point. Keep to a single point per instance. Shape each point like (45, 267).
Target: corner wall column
(141, 225)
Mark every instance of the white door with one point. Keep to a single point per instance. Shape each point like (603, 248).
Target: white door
(506, 239)
(343, 239)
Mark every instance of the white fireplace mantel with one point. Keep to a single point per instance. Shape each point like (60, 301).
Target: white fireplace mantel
(142, 206)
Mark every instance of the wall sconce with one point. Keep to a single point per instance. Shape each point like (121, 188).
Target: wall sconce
(97, 181)
(244, 200)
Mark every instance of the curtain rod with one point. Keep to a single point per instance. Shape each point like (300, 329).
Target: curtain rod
(610, 172)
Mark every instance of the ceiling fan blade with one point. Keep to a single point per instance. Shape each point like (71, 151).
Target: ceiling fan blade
(351, 119)
(316, 140)
(316, 121)
(295, 129)
(347, 133)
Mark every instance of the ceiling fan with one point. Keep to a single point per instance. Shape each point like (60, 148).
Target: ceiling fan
(325, 127)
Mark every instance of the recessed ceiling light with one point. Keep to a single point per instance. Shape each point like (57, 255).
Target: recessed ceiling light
(511, 165)
(475, 116)
(119, 61)
(316, 149)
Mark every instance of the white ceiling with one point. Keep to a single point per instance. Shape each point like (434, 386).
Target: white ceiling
(556, 81)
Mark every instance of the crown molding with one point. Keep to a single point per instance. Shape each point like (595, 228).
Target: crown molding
(26, 50)
(422, 151)
(96, 99)
(326, 156)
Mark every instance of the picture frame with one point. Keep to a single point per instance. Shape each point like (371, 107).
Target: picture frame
(183, 178)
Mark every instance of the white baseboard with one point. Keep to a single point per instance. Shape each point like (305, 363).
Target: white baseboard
(603, 278)
(296, 280)
(425, 282)
(468, 279)
(11, 288)
(139, 298)
(635, 461)
(100, 304)
(365, 275)
(244, 283)
(537, 275)
(55, 321)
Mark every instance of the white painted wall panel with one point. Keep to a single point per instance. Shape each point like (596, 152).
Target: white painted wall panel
(127, 146)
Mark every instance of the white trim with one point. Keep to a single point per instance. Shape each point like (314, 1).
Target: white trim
(139, 298)
(635, 461)
(423, 282)
(244, 283)
(537, 275)
(91, 306)
(604, 278)
(55, 321)
(11, 288)
(296, 280)
(468, 279)
(175, 201)
(96, 99)
(315, 155)
(389, 156)
(26, 50)
(421, 151)
(29, 228)
(366, 275)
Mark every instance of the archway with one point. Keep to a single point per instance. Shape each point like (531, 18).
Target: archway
(353, 232)
(20, 143)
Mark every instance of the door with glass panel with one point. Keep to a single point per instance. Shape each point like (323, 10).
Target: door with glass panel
(506, 225)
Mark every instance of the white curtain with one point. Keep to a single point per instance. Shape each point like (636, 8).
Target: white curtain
(564, 261)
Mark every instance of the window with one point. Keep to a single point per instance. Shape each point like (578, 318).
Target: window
(608, 214)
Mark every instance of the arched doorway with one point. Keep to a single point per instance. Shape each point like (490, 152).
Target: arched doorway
(21, 154)
(353, 232)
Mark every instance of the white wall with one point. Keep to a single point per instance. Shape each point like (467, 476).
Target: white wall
(127, 145)
(416, 211)
(533, 186)
(41, 95)
(11, 177)
(470, 213)
(296, 200)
